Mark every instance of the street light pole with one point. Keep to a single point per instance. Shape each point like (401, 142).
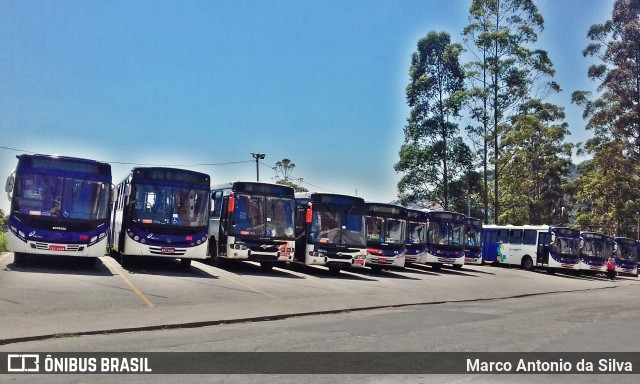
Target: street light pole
(258, 157)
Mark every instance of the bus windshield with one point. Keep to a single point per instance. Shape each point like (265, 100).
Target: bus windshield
(337, 227)
(169, 206)
(385, 230)
(474, 237)
(566, 246)
(628, 252)
(417, 232)
(269, 216)
(43, 195)
(446, 233)
(597, 248)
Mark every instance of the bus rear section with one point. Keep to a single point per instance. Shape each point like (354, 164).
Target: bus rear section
(161, 212)
(595, 249)
(445, 240)
(386, 236)
(330, 231)
(626, 256)
(417, 228)
(59, 206)
(473, 241)
(252, 221)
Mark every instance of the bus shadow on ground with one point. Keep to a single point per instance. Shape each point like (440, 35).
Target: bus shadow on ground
(446, 271)
(385, 273)
(88, 266)
(474, 270)
(325, 273)
(161, 266)
(421, 269)
(253, 268)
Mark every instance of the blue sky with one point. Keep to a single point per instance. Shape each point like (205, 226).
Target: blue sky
(208, 82)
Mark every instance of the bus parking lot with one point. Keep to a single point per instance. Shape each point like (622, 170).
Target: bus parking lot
(50, 297)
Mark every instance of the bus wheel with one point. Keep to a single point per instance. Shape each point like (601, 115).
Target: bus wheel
(267, 265)
(376, 268)
(334, 270)
(457, 266)
(185, 263)
(527, 263)
(19, 258)
(436, 267)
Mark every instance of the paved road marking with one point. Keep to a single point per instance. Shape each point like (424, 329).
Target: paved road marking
(226, 275)
(3, 256)
(120, 272)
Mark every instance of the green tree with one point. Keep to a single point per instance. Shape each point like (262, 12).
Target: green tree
(614, 119)
(504, 74)
(432, 154)
(538, 160)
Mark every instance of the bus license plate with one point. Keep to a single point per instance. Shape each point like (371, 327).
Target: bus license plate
(382, 260)
(57, 248)
(358, 262)
(167, 250)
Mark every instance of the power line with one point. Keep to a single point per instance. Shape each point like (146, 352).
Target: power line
(300, 180)
(147, 164)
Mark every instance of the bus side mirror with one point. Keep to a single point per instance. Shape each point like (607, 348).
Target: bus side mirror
(9, 186)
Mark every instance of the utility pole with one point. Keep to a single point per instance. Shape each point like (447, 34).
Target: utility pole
(258, 157)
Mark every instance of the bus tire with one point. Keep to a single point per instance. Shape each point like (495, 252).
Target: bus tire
(19, 258)
(527, 263)
(185, 263)
(334, 270)
(457, 266)
(376, 268)
(436, 267)
(267, 265)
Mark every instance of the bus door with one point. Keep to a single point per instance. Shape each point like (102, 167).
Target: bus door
(544, 239)
(301, 232)
(489, 245)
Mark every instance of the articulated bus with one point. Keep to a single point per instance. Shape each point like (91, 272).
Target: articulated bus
(386, 236)
(330, 231)
(252, 221)
(161, 212)
(445, 240)
(473, 243)
(59, 206)
(543, 246)
(626, 256)
(417, 228)
(596, 248)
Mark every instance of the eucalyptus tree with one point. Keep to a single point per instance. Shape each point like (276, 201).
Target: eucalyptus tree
(432, 153)
(608, 187)
(505, 72)
(538, 158)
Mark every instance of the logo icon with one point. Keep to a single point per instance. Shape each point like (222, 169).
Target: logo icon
(23, 363)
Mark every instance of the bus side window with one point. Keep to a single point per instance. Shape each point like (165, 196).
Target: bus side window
(515, 237)
(216, 209)
(530, 236)
(503, 236)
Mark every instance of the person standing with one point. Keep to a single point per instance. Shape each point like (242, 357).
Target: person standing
(611, 269)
